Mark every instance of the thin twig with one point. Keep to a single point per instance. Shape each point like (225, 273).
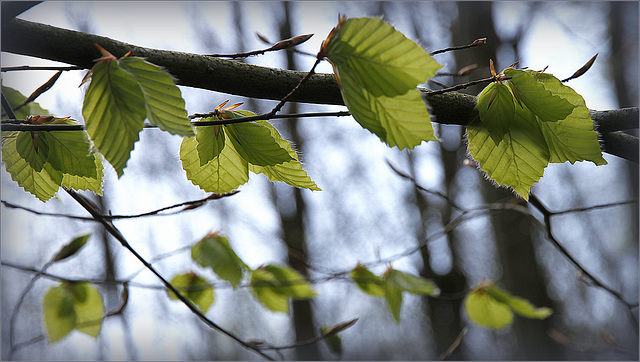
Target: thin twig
(458, 87)
(29, 67)
(454, 345)
(24, 125)
(281, 45)
(535, 202)
(286, 98)
(476, 43)
(189, 205)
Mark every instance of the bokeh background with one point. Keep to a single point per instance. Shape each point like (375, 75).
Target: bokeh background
(365, 213)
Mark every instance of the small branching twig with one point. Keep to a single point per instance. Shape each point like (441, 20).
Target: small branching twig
(476, 43)
(187, 205)
(458, 87)
(535, 202)
(281, 45)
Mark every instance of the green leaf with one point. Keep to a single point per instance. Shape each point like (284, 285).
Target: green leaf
(164, 104)
(486, 311)
(400, 121)
(496, 109)
(114, 112)
(223, 173)
(367, 281)
(43, 184)
(15, 98)
(290, 282)
(59, 312)
(71, 248)
(519, 305)
(411, 283)
(210, 140)
(70, 153)
(393, 295)
(273, 285)
(89, 309)
(518, 160)
(214, 251)
(572, 138)
(263, 287)
(195, 288)
(548, 107)
(380, 58)
(378, 70)
(34, 148)
(255, 144)
(290, 172)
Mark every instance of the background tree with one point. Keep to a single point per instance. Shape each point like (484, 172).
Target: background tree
(365, 211)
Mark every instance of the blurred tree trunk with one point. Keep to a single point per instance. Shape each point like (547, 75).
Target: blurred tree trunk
(513, 231)
(624, 48)
(292, 219)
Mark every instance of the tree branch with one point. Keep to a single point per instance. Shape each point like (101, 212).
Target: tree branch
(225, 76)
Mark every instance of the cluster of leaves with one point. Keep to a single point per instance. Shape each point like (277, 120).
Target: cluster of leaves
(219, 157)
(526, 120)
(391, 284)
(72, 305)
(273, 285)
(122, 93)
(378, 70)
(41, 162)
(79, 305)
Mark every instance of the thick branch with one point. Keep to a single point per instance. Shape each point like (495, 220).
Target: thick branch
(199, 71)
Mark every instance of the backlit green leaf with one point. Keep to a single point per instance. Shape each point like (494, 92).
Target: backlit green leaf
(519, 305)
(59, 312)
(393, 295)
(486, 311)
(163, 99)
(367, 281)
(378, 70)
(223, 173)
(43, 184)
(291, 171)
(572, 138)
(34, 148)
(273, 285)
(195, 288)
(255, 144)
(548, 107)
(263, 287)
(89, 309)
(71, 248)
(70, 153)
(114, 112)
(380, 58)
(214, 251)
(496, 108)
(518, 160)
(411, 283)
(210, 140)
